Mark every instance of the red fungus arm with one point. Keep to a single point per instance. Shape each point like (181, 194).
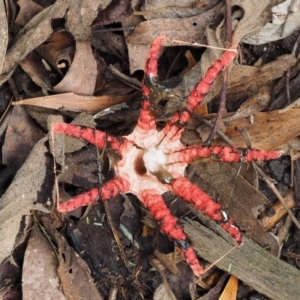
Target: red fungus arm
(201, 201)
(109, 190)
(168, 223)
(222, 153)
(92, 136)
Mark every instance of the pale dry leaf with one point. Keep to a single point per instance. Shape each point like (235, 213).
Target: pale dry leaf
(285, 22)
(80, 17)
(252, 11)
(3, 34)
(36, 31)
(39, 273)
(82, 74)
(76, 103)
(21, 196)
(189, 29)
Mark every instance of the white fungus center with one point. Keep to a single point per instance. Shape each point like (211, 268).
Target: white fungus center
(154, 160)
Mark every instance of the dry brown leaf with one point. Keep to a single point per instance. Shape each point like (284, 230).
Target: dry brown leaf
(186, 29)
(32, 35)
(39, 273)
(244, 22)
(245, 81)
(82, 74)
(76, 103)
(270, 130)
(22, 195)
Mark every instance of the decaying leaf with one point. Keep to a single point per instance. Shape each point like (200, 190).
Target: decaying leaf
(28, 187)
(39, 277)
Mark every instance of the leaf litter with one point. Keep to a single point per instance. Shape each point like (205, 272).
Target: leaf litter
(57, 63)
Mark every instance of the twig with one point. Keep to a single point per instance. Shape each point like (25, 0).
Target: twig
(219, 132)
(183, 43)
(221, 111)
(173, 63)
(228, 38)
(132, 82)
(222, 106)
(276, 192)
(114, 29)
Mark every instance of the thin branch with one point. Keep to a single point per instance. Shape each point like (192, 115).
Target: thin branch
(221, 111)
(278, 195)
(222, 106)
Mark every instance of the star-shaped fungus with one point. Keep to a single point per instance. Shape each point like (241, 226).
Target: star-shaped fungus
(153, 162)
